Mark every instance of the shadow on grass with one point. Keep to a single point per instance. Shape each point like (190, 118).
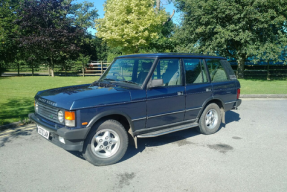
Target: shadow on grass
(15, 110)
(6, 137)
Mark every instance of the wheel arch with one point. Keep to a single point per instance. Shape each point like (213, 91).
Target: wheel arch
(217, 101)
(112, 114)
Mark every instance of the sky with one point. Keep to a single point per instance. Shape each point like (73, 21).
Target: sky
(99, 6)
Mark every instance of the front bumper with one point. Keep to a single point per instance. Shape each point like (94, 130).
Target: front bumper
(74, 139)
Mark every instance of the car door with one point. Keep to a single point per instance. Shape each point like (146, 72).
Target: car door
(166, 104)
(198, 87)
(224, 88)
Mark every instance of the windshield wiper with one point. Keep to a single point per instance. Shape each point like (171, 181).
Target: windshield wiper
(107, 79)
(131, 82)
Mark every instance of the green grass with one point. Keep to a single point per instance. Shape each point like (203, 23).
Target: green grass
(263, 86)
(17, 93)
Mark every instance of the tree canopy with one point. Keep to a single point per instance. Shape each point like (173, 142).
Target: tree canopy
(237, 29)
(46, 28)
(131, 24)
(7, 31)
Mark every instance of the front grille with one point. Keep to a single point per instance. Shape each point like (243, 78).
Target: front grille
(48, 112)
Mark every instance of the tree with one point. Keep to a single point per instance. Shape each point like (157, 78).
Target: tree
(130, 24)
(84, 14)
(8, 46)
(229, 28)
(46, 27)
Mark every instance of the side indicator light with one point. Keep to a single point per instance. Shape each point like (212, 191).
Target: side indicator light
(85, 123)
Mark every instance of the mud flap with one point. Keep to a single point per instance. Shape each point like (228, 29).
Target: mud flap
(222, 115)
(134, 137)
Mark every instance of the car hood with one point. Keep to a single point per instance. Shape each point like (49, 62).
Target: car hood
(82, 96)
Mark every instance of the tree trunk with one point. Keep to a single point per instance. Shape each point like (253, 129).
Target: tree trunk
(32, 69)
(83, 70)
(52, 67)
(49, 72)
(18, 66)
(65, 67)
(157, 5)
(240, 68)
(0, 68)
(268, 71)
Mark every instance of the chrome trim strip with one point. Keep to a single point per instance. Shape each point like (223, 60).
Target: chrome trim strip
(193, 109)
(165, 126)
(166, 132)
(163, 97)
(229, 102)
(139, 119)
(165, 114)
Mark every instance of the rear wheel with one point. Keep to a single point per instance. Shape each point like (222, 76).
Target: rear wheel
(210, 119)
(106, 144)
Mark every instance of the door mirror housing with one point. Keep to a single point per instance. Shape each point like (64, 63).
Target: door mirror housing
(155, 83)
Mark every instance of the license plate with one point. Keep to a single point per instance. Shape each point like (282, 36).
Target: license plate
(43, 132)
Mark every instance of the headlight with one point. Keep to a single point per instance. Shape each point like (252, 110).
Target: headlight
(36, 107)
(61, 116)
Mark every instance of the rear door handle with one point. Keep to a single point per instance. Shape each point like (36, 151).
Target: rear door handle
(208, 89)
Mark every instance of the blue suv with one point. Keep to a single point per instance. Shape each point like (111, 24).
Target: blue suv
(138, 96)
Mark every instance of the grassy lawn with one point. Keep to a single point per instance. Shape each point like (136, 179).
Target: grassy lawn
(263, 87)
(17, 93)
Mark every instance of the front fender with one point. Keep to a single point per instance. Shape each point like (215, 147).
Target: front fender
(108, 113)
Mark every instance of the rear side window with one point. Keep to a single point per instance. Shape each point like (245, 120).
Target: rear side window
(226, 65)
(194, 71)
(216, 71)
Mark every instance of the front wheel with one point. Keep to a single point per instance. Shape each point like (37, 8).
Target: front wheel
(210, 119)
(106, 144)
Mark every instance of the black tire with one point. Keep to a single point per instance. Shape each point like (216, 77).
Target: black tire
(98, 155)
(209, 128)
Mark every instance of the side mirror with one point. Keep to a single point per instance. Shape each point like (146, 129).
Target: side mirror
(155, 83)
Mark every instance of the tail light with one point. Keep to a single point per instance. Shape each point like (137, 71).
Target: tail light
(238, 93)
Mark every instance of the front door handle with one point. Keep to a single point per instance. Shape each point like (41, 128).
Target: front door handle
(208, 89)
(180, 93)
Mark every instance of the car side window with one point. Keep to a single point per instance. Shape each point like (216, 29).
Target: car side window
(170, 71)
(194, 71)
(216, 71)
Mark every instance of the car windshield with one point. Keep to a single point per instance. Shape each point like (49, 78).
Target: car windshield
(129, 71)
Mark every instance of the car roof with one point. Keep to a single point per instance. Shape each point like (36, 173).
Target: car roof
(163, 55)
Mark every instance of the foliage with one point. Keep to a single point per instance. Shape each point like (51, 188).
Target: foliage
(8, 46)
(237, 29)
(46, 29)
(165, 42)
(84, 14)
(130, 24)
(84, 60)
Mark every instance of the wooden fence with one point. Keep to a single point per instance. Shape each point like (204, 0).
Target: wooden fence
(93, 68)
(97, 67)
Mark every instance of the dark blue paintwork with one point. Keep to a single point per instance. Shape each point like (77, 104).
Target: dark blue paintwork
(83, 96)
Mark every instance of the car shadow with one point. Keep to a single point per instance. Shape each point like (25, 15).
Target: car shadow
(230, 116)
(179, 138)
